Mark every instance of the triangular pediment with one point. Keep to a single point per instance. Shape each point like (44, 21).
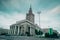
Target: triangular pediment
(23, 21)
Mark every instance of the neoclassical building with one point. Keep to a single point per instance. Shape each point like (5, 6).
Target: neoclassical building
(26, 26)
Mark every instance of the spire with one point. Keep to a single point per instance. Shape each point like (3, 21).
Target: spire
(30, 15)
(30, 10)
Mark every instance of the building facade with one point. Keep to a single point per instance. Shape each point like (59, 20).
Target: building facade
(26, 26)
(22, 28)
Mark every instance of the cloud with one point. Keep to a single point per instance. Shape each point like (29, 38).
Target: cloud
(46, 20)
(23, 5)
(49, 18)
(55, 10)
(7, 19)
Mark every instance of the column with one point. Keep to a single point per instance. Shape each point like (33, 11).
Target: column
(18, 31)
(14, 30)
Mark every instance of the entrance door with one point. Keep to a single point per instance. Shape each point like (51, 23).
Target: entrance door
(29, 29)
(28, 33)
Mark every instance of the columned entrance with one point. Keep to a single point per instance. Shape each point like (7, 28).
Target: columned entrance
(29, 30)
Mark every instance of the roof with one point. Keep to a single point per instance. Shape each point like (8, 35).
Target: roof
(22, 21)
(17, 22)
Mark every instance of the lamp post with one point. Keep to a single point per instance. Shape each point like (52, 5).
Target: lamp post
(39, 17)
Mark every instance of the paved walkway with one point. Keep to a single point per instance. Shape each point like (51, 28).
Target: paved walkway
(24, 38)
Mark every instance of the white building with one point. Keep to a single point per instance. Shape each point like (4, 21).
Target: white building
(26, 26)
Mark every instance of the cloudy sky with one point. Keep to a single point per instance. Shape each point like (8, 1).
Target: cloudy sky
(15, 10)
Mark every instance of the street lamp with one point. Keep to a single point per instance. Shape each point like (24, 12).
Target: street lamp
(39, 17)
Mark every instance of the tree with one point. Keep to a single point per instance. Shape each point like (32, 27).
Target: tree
(54, 35)
(4, 34)
(38, 32)
(46, 34)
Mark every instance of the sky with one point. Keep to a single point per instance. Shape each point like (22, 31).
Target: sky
(15, 10)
